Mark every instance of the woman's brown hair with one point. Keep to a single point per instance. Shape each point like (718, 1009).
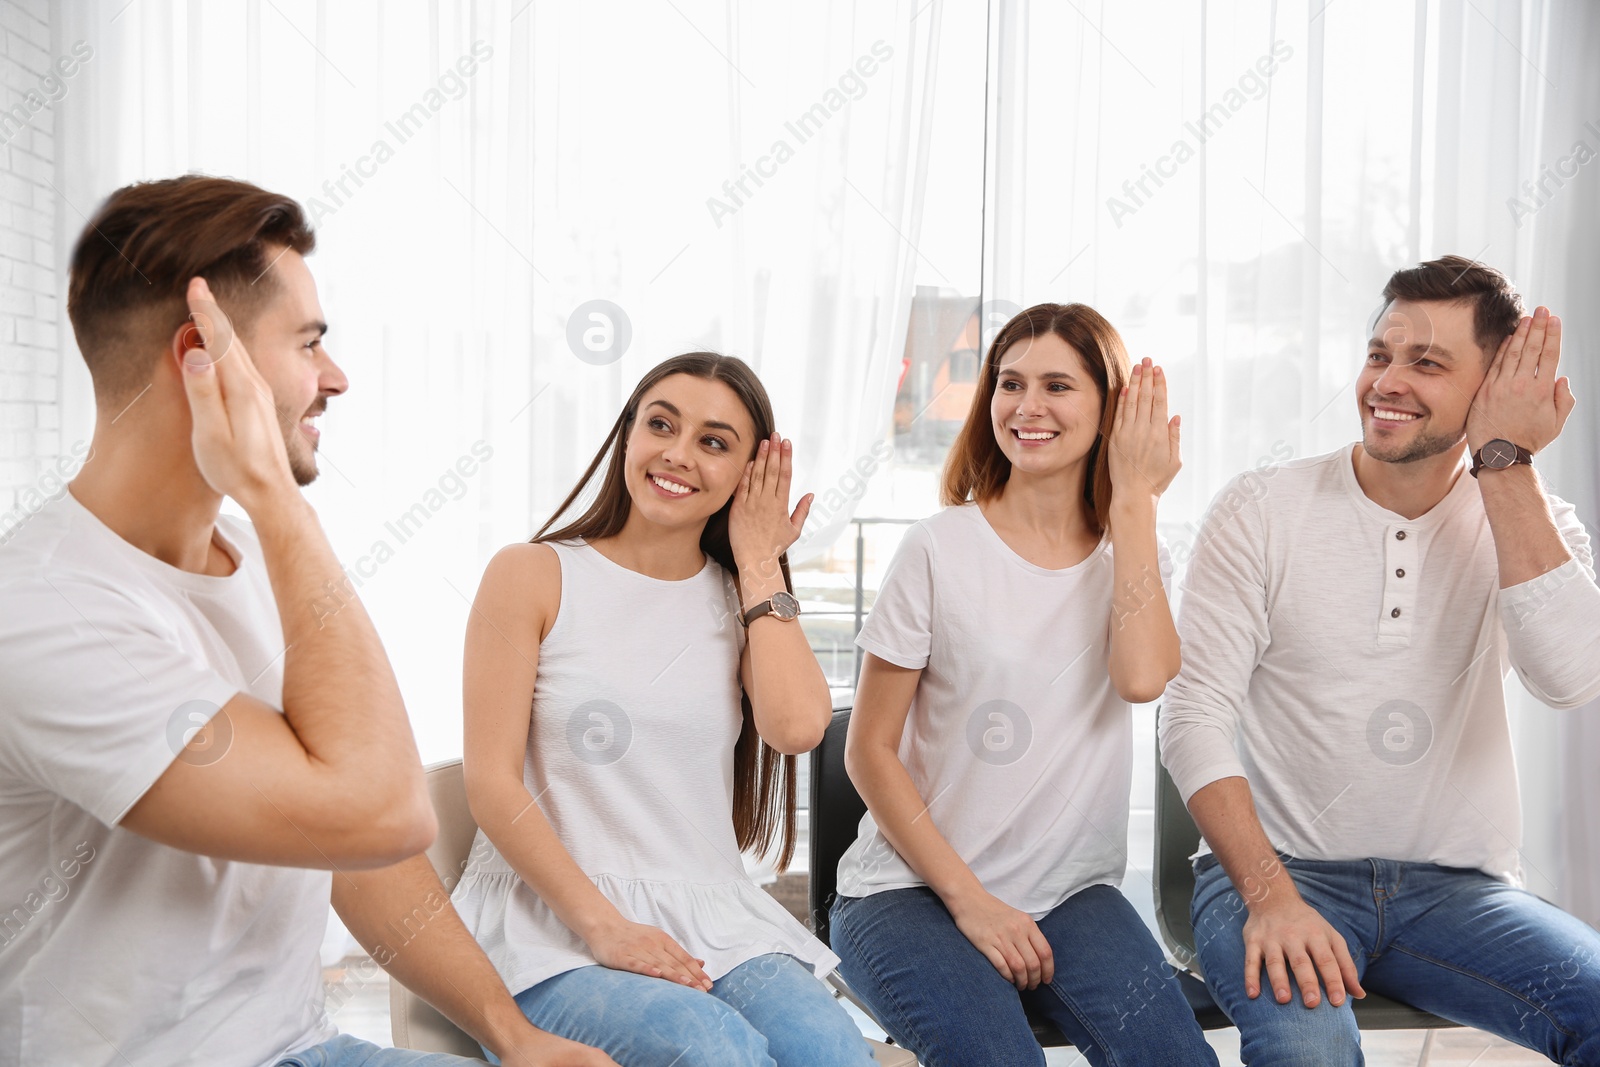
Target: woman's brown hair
(976, 469)
(763, 778)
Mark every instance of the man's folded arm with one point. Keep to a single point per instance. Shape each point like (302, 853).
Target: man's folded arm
(100, 711)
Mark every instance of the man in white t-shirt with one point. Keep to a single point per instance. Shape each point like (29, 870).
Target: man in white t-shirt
(195, 750)
(1338, 728)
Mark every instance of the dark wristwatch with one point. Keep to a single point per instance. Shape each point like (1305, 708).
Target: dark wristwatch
(780, 605)
(1499, 454)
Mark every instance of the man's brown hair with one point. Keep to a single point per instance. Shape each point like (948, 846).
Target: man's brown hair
(1496, 306)
(132, 264)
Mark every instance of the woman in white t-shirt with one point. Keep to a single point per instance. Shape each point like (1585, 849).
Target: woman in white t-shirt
(991, 737)
(636, 688)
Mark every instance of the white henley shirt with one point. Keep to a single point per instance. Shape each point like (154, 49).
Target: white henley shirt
(1349, 663)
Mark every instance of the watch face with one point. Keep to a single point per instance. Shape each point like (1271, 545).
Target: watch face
(1499, 454)
(784, 605)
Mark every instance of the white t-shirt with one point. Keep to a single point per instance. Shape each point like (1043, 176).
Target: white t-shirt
(1016, 739)
(114, 949)
(1349, 662)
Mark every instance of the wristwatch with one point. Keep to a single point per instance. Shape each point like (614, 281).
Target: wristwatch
(1499, 454)
(780, 605)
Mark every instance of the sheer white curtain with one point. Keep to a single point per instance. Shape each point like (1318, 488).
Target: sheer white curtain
(721, 174)
(1563, 266)
(1231, 182)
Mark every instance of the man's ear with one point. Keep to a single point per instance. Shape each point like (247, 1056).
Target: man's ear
(187, 336)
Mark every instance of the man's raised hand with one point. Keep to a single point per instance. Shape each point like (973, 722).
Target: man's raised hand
(1521, 399)
(238, 440)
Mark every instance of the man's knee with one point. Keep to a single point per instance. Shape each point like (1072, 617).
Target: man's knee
(1292, 1035)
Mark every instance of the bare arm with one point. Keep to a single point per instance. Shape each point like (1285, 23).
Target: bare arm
(788, 693)
(1283, 932)
(335, 780)
(1009, 938)
(403, 917)
(517, 603)
(1144, 654)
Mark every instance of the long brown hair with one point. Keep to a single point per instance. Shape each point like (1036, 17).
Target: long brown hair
(763, 777)
(976, 468)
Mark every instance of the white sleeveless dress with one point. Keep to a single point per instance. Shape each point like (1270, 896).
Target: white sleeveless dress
(630, 757)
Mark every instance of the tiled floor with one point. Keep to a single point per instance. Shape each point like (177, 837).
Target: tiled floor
(361, 1008)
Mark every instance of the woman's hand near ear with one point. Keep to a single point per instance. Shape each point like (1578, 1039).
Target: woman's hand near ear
(760, 525)
(1144, 459)
(1143, 453)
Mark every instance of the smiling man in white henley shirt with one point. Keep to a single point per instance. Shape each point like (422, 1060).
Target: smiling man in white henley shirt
(1338, 728)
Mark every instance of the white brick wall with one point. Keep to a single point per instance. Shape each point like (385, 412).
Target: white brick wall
(30, 306)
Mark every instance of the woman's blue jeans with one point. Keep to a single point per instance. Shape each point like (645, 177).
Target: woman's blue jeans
(1113, 994)
(347, 1051)
(768, 1012)
(1453, 942)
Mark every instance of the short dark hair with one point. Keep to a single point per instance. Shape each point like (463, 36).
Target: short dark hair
(1497, 307)
(132, 264)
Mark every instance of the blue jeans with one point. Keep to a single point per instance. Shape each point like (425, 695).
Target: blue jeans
(346, 1051)
(767, 1011)
(1113, 995)
(1453, 942)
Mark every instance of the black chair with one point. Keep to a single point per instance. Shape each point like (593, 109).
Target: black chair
(836, 810)
(1177, 838)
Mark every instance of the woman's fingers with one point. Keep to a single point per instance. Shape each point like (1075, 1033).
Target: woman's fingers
(758, 469)
(1047, 957)
(785, 469)
(1031, 966)
(774, 463)
(687, 963)
(746, 478)
(797, 520)
(997, 958)
(1147, 391)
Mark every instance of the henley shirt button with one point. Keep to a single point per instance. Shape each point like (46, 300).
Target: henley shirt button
(1395, 614)
(1400, 536)
(1399, 572)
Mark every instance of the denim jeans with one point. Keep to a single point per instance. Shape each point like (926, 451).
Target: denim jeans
(1113, 995)
(768, 1011)
(346, 1051)
(1453, 942)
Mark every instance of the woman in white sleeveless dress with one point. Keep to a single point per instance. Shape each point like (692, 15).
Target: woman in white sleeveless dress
(636, 689)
